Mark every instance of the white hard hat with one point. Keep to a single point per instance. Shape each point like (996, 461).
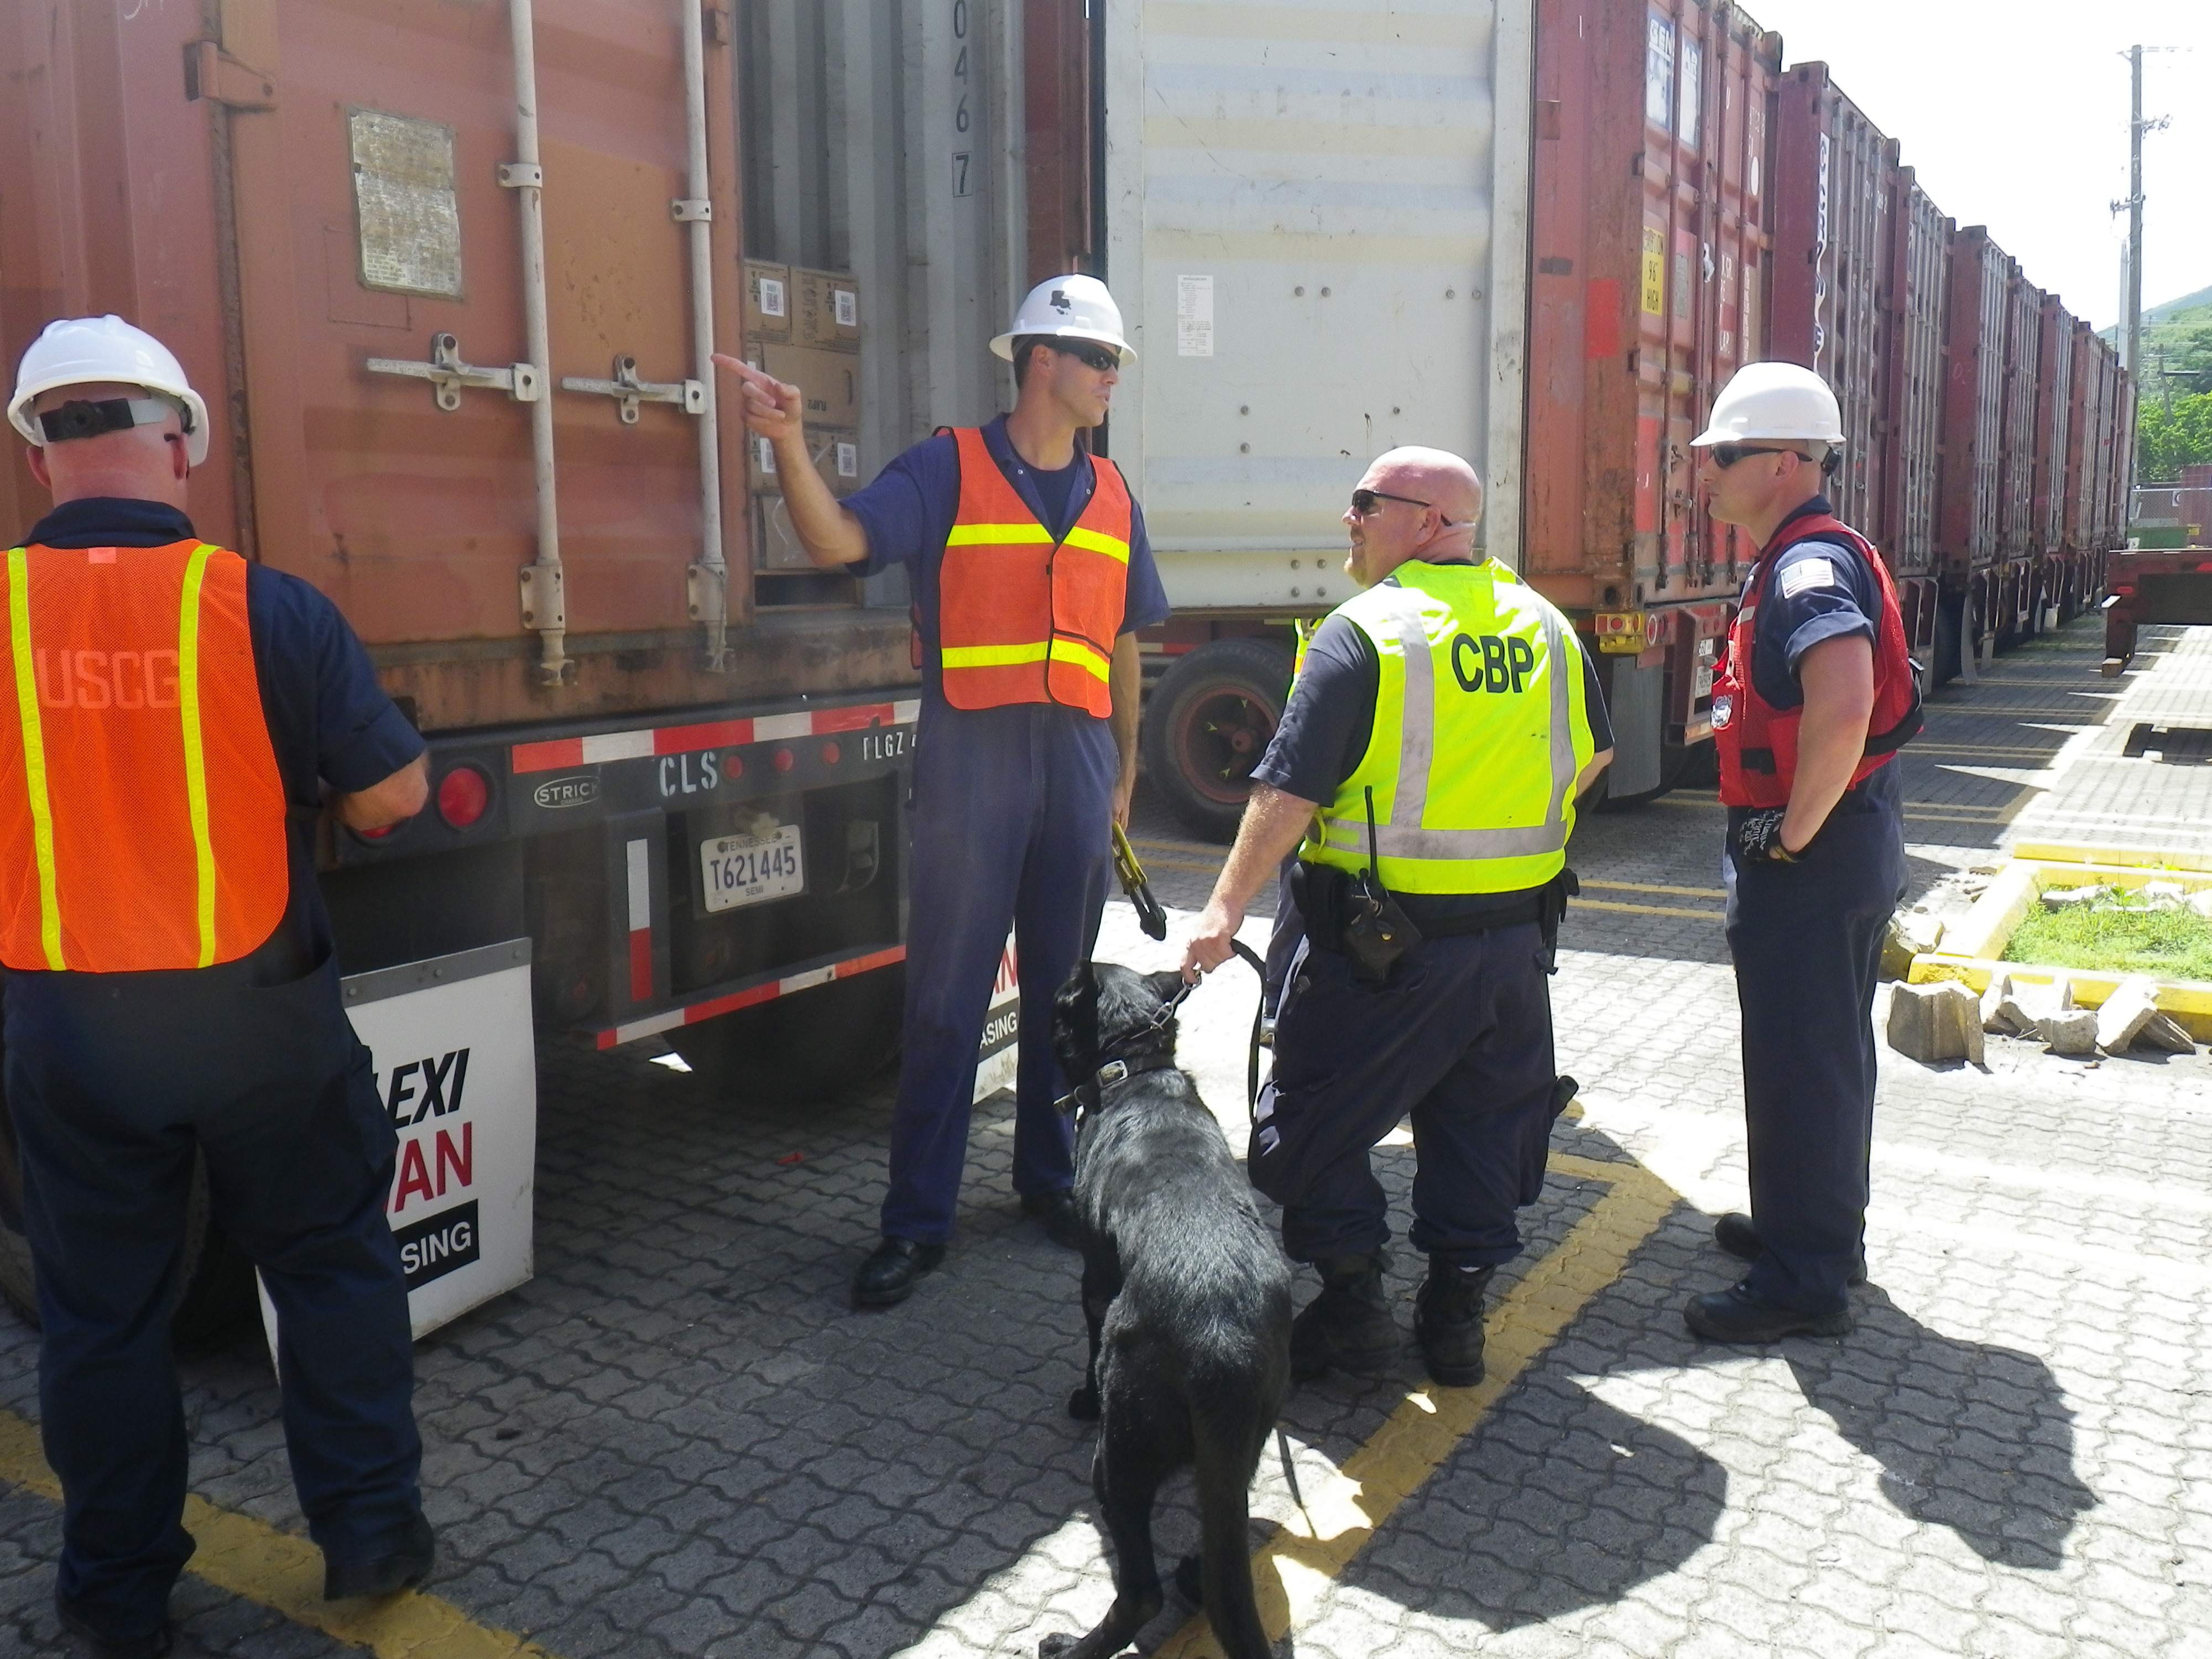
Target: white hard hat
(1070, 307)
(1777, 401)
(102, 351)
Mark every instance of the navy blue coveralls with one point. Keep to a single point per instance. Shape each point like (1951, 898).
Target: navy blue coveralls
(1460, 1036)
(1012, 807)
(115, 1081)
(1806, 938)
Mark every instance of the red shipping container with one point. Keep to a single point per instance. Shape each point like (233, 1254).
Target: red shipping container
(2054, 387)
(1967, 523)
(1834, 209)
(1918, 301)
(2023, 351)
(1647, 233)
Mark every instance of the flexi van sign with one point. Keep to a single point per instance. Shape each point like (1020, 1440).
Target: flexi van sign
(457, 1072)
(997, 1054)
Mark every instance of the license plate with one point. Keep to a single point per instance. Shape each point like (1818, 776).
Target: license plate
(737, 870)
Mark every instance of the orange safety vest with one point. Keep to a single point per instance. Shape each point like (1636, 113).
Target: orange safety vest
(142, 815)
(1021, 618)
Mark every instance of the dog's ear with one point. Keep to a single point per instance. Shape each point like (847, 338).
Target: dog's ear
(1165, 984)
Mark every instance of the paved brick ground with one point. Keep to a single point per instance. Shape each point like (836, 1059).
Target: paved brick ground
(676, 1440)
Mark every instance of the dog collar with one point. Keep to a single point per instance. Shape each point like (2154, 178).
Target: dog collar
(1085, 1095)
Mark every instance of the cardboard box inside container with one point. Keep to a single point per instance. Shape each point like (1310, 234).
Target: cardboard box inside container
(830, 379)
(837, 459)
(828, 310)
(767, 300)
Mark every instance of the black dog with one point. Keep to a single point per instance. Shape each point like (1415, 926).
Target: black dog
(1188, 1299)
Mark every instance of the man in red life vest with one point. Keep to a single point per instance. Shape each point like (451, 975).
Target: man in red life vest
(1815, 698)
(1030, 574)
(175, 717)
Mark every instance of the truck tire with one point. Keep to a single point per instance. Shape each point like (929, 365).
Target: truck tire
(215, 1298)
(799, 1050)
(1208, 722)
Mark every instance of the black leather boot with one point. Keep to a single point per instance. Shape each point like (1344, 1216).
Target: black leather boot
(1448, 1323)
(1348, 1326)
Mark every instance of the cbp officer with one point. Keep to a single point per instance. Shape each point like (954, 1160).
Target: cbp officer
(1427, 768)
(1814, 700)
(175, 717)
(1030, 574)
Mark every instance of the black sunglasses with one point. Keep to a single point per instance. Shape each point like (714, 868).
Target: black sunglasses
(1727, 455)
(1363, 501)
(1099, 357)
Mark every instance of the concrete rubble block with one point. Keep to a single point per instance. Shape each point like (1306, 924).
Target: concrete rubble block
(2163, 895)
(2072, 898)
(2010, 1010)
(2201, 902)
(1935, 1023)
(1911, 933)
(2165, 1034)
(2132, 1006)
(2070, 1031)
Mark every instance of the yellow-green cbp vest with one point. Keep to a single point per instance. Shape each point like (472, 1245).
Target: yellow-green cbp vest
(1479, 733)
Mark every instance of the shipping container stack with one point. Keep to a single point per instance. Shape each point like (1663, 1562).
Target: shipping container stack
(1646, 298)
(2056, 589)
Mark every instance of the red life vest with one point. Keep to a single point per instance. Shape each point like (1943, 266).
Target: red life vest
(1758, 742)
(1021, 617)
(142, 815)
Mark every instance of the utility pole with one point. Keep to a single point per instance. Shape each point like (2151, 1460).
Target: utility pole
(2131, 324)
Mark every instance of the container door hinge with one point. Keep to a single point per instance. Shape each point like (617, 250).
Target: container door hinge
(543, 607)
(447, 373)
(212, 75)
(690, 396)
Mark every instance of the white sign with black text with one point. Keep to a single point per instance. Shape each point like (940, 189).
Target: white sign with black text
(456, 1068)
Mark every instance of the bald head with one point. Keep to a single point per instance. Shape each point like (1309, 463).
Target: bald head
(1426, 504)
(1435, 476)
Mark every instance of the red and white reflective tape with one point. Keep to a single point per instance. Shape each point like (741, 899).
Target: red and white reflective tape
(555, 753)
(668, 1021)
(640, 874)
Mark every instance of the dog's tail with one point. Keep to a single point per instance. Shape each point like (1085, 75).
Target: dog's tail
(1226, 1456)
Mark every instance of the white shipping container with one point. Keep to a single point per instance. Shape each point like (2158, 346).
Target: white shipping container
(1322, 249)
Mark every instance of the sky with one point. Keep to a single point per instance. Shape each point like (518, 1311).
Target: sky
(2015, 114)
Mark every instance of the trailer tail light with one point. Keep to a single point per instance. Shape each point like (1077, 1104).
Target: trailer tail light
(783, 760)
(463, 793)
(831, 754)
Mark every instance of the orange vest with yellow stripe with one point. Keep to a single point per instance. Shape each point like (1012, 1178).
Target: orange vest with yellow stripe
(1020, 617)
(142, 815)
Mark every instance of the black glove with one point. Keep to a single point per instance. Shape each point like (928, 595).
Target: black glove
(1759, 839)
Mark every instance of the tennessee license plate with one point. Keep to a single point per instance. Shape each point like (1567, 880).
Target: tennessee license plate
(737, 870)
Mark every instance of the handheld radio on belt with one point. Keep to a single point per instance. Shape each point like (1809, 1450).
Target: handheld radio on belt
(1151, 915)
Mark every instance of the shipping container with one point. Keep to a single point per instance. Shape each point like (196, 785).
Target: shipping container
(1317, 231)
(1648, 296)
(1835, 196)
(2058, 587)
(1918, 301)
(448, 276)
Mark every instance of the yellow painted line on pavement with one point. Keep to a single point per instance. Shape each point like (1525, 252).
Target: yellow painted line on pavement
(1296, 1567)
(1643, 910)
(284, 1573)
(1652, 887)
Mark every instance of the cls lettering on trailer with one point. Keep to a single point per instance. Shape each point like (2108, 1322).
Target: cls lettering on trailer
(690, 775)
(999, 1053)
(456, 1073)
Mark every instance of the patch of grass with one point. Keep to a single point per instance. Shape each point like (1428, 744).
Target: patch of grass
(2173, 944)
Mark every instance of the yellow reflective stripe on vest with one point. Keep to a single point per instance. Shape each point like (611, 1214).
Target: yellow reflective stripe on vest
(1097, 541)
(990, 535)
(1006, 656)
(34, 756)
(1403, 837)
(188, 706)
(991, 656)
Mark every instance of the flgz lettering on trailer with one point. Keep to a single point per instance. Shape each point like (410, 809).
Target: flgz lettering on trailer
(1489, 663)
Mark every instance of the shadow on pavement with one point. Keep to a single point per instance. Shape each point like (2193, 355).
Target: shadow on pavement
(1970, 1436)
